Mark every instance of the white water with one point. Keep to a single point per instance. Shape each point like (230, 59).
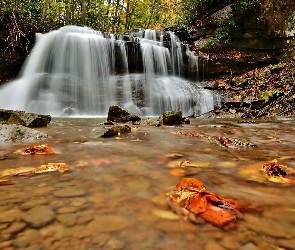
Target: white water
(74, 67)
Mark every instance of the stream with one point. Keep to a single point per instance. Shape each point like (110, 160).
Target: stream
(114, 197)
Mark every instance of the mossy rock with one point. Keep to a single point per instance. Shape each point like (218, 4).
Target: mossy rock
(172, 117)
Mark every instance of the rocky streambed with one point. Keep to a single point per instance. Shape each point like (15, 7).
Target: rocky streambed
(114, 197)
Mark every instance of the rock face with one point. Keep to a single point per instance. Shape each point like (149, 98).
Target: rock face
(24, 119)
(118, 114)
(256, 39)
(172, 117)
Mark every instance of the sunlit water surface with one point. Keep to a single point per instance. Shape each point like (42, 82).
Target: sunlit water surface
(122, 182)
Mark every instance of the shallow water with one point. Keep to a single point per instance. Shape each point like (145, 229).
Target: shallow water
(114, 197)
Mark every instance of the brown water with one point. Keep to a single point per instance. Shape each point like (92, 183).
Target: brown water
(114, 197)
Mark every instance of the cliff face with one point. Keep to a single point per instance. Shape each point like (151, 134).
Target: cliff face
(257, 38)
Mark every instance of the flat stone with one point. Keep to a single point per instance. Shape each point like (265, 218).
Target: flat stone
(77, 202)
(69, 192)
(30, 204)
(14, 228)
(68, 219)
(64, 210)
(39, 216)
(18, 243)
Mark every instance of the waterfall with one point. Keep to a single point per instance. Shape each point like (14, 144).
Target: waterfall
(75, 67)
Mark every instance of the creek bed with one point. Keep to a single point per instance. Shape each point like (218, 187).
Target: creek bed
(115, 195)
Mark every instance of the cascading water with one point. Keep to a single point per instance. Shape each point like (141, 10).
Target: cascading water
(74, 68)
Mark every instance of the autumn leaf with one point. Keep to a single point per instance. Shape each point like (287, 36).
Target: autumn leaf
(42, 149)
(190, 194)
(277, 173)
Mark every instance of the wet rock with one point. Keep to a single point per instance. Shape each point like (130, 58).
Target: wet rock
(64, 210)
(107, 224)
(67, 219)
(14, 228)
(105, 132)
(23, 118)
(249, 246)
(69, 192)
(172, 117)
(85, 218)
(30, 204)
(118, 114)
(115, 244)
(20, 243)
(14, 132)
(39, 216)
(77, 202)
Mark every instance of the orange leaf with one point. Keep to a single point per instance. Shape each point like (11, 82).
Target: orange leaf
(220, 217)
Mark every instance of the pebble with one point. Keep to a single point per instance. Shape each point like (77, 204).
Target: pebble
(77, 202)
(14, 228)
(69, 191)
(67, 219)
(30, 204)
(249, 246)
(39, 216)
(65, 210)
(19, 243)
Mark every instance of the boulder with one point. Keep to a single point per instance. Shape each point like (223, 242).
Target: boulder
(172, 117)
(23, 118)
(13, 132)
(118, 114)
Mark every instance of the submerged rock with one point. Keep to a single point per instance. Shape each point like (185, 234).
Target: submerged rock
(23, 118)
(118, 114)
(110, 131)
(14, 132)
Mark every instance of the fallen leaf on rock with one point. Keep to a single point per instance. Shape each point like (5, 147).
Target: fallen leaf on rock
(277, 173)
(6, 182)
(43, 149)
(29, 171)
(190, 194)
(52, 167)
